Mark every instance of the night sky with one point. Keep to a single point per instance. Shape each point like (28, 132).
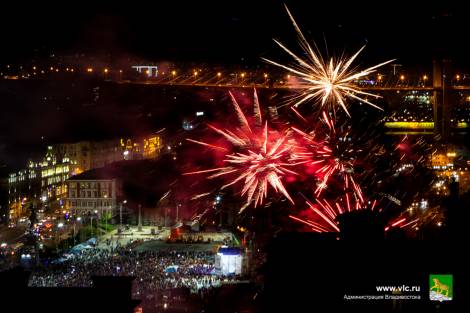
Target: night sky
(233, 31)
(224, 32)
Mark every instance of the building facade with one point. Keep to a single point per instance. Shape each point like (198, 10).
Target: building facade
(44, 180)
(87, 195)
(79, 154)
(87, 155)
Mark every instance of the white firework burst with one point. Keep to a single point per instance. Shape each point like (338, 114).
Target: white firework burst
(327, 82)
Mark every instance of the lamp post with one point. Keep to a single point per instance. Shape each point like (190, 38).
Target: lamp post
(120, 214)
(59, 227)
(106, 220)
(139, 227)
(74, 229)
(91, 225)
(97, 219)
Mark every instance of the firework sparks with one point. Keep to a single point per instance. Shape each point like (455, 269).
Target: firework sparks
(332, 155)
(325, 213)
(258, 157)
(329, 82)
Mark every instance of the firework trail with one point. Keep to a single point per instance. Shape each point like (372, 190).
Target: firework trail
(326, 212)
(322, 214)
(257, 157)
(328, 82)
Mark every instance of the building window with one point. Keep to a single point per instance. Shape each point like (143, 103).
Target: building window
(89, 194)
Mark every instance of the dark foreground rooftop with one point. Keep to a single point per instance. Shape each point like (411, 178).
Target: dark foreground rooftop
(108, 294)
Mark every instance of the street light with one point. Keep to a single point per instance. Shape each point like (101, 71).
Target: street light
(91, 225)
(77, 219)
(120, 213)
(59, 226)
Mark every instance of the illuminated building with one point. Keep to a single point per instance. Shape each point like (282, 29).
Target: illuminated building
(440, 161)
(146, 148)
(149, 70)
(79, 154)
(43, 180)
(229, 261)
(92, 192)
(87, 155)
(152, 147)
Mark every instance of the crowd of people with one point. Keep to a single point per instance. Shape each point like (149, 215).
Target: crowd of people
(153, 271)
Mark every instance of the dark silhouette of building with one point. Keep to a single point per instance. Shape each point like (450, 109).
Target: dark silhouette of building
(310, 272)
(108, 294)
(361, 225)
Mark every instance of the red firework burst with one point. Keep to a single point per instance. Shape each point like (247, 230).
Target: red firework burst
(333, 154)
(257, 156)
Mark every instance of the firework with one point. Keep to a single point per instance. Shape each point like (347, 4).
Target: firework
(324, 213)
(329, 82)
(257, 156)
(332, 155)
